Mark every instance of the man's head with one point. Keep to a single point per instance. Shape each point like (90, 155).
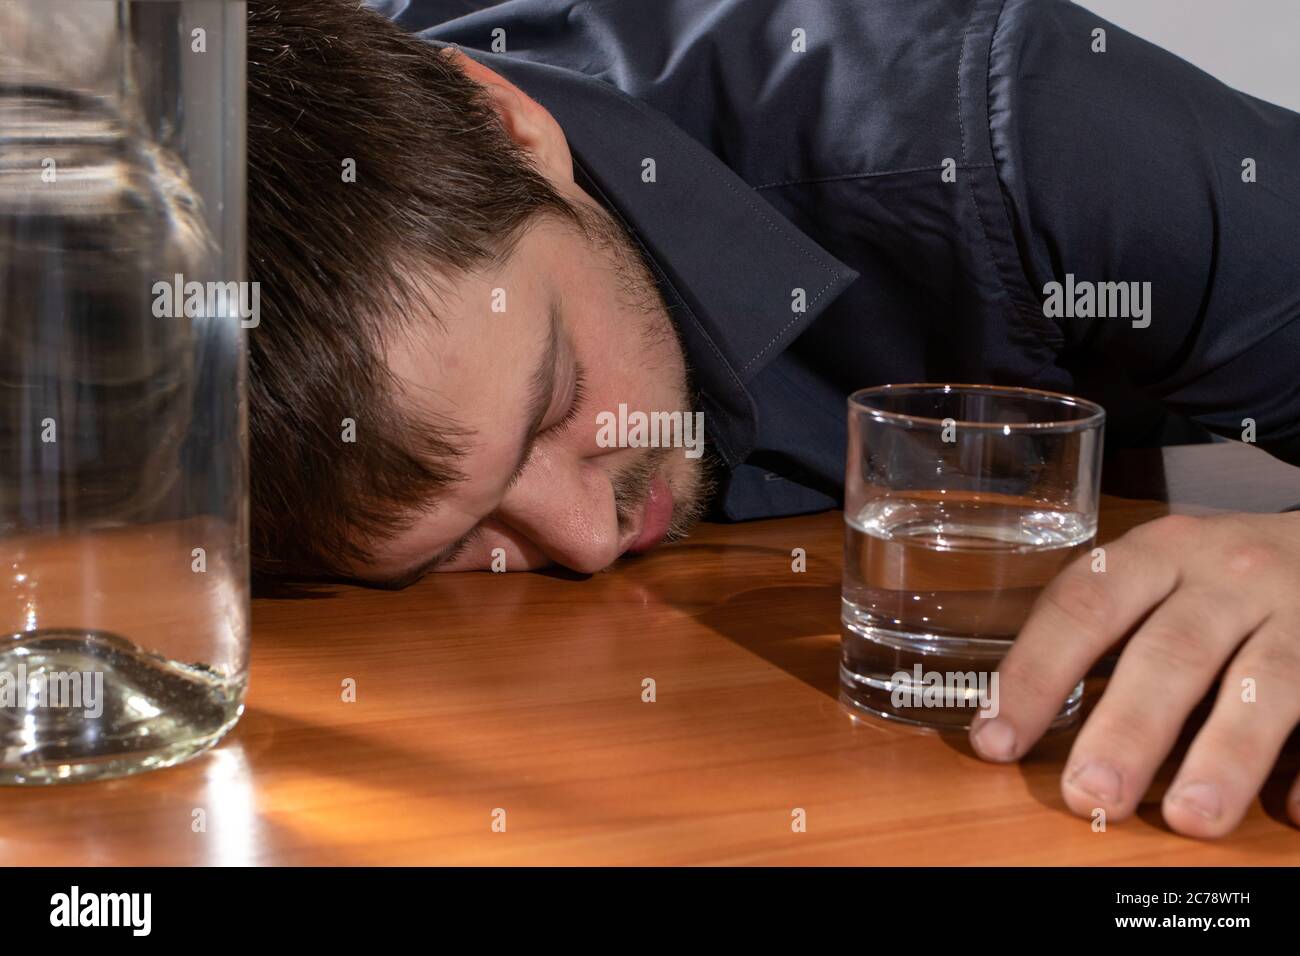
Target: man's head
(440, 330)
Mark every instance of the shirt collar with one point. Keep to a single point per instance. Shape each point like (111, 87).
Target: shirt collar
(729, 264)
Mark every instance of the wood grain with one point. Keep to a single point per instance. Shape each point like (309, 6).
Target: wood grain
(478, 692)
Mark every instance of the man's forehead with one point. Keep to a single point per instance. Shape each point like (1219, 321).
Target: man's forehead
(494, 311)
(463, 351)
(489, 368)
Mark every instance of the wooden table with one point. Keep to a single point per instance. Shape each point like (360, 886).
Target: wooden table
(523, 692)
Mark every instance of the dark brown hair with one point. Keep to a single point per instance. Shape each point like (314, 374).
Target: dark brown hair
(439, 188)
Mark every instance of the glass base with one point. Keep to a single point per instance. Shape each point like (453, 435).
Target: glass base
(925, 680)
(79, 705)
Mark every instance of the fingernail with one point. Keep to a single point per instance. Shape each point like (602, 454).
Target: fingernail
(1201, 798)
(1097, 780)
(994, 739)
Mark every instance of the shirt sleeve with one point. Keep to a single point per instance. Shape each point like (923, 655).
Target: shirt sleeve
(1121, 163)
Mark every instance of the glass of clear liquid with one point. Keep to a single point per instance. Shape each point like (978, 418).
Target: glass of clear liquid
(123, 310)
(961, 503)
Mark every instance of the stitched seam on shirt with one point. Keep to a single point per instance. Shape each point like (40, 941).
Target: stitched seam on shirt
(1049, 334)
(871, 175)
(771, 225)
(961, 126)
(794, 321)
(804, 252)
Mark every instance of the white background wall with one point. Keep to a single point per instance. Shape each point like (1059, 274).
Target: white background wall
(1252, 45)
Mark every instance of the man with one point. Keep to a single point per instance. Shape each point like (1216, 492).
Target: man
(750, 209)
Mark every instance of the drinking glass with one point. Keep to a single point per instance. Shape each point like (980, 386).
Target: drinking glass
(961, 503)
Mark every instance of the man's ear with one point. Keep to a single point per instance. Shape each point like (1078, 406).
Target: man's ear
(526, 121)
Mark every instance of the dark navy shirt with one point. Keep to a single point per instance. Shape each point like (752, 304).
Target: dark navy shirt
(853, 192)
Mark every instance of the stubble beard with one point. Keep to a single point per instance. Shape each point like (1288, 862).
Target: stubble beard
(692, 481)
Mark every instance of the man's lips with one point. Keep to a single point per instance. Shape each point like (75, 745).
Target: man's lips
(656, 515)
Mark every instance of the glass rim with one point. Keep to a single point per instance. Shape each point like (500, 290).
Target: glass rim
(1095, 417)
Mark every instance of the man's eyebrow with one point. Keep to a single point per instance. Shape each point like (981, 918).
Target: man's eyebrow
(541, 388)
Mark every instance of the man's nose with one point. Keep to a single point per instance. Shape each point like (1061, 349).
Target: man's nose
(566, 509)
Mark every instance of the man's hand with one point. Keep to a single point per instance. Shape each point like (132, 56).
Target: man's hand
(1207, 596)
